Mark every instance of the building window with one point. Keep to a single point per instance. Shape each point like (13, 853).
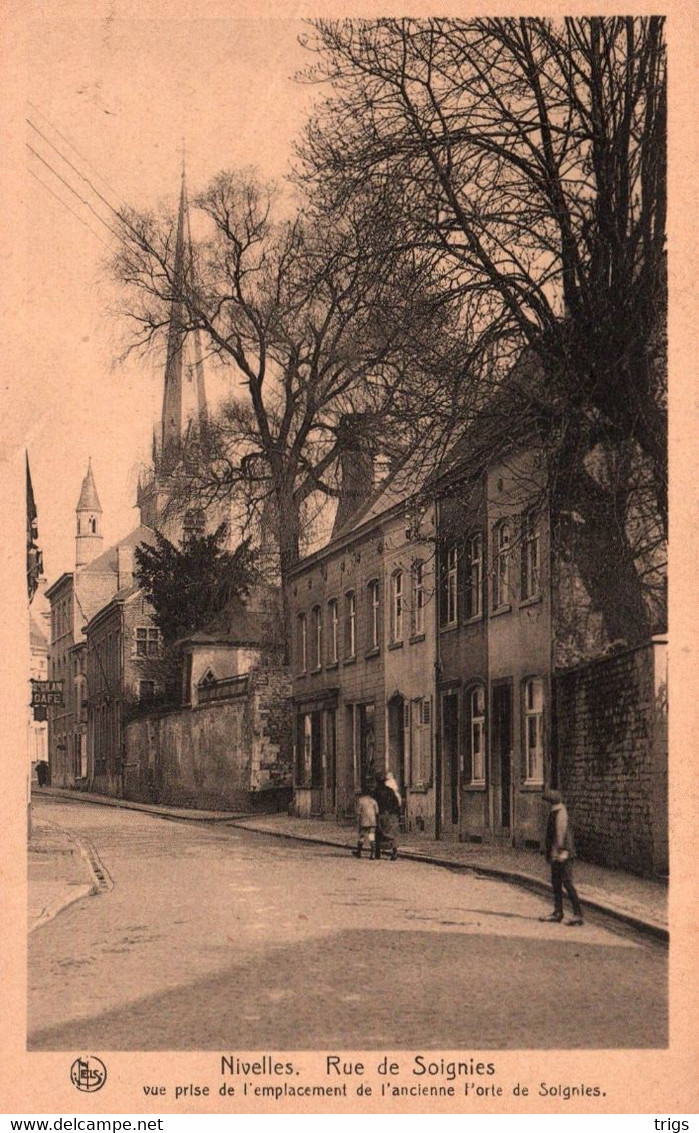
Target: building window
(350, 624)
(397, 606)
(193, 524)
(531, 580)
(450, 581)
(302, 643)
(534, 731)
(317, 638)
(374, 623)
(147, 641)
(477, 734)
(418, 602)
(474, 577)
(421, 742)
(333, 619)
(501, 555)
(146, 692)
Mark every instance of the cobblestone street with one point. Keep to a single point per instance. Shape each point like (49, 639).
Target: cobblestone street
(213, 937)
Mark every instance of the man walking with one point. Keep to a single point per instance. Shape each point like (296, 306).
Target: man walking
(560, 851)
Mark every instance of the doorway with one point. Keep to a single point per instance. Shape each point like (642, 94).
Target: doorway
(501, 755)
(367, 745)
(450, 747)
(330, 759)
(396, 742)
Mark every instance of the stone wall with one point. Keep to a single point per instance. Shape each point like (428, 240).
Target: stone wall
(611, 723)
(231, 755)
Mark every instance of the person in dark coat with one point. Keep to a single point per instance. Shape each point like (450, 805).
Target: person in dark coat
(560, 852)
(389, 802)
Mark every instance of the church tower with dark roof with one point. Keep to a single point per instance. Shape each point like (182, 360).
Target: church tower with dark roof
(88, 521)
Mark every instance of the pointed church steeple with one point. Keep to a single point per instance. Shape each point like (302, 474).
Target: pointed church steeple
(184, 395)
(184, 413)
(88, 521)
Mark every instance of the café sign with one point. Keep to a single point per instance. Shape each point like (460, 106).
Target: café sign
(47, 694)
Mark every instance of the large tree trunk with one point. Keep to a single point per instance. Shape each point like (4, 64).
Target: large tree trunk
(590, 532)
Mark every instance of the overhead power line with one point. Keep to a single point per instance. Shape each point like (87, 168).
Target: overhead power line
(74, 168)
(68, 208)
(75, 192)
(75, 150)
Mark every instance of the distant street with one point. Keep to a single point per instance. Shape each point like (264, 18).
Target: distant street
(218, 938)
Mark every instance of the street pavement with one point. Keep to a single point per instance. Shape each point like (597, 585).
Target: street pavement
(208, 936)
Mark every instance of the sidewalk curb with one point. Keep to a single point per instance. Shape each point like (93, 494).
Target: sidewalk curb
(523, 880)
(148, 808)
(248, 822)
(88, 856)
(51, 911)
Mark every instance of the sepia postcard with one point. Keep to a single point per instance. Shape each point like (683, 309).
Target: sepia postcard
(348, 448)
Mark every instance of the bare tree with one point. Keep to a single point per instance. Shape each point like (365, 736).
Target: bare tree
(318, 319)
(528, 161)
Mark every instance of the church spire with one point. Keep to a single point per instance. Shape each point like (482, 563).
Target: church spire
(88, 521)
(184, 395)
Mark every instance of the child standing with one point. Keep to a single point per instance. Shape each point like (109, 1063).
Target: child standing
(367, 816)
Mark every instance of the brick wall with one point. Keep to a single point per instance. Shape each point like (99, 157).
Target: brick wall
(611, 721)
(232, 755)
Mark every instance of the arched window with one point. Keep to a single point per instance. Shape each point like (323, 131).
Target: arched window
(317, 638)
(418, 598)
(531, 570)
(350, 624)
(93, 525)
(533, 712)
(373, 602)
(333, 619)
(501, 565)
(476, 706)
(474, 577)
(397, 606)
(449, 604)
(302, 643)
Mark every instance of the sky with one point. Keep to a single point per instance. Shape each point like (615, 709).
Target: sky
(124, 93)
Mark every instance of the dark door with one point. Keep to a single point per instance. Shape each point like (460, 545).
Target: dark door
(396, 742)
(450, 742)
(316, 764)
(331, 759)
(367, 745)
(502, 755)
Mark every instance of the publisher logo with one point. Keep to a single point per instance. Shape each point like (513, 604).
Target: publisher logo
(88, 1074)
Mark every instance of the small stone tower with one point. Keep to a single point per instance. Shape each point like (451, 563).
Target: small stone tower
(88, 514)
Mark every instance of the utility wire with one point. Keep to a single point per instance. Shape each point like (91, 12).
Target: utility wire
(75, 169)
(68, 142)
(68, 208)
(75, 192)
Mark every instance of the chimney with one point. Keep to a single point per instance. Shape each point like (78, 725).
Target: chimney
(124, 566)
(356, 467)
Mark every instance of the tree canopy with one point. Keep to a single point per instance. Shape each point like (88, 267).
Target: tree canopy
(188, 585)
(317, 319)
(525, 161)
